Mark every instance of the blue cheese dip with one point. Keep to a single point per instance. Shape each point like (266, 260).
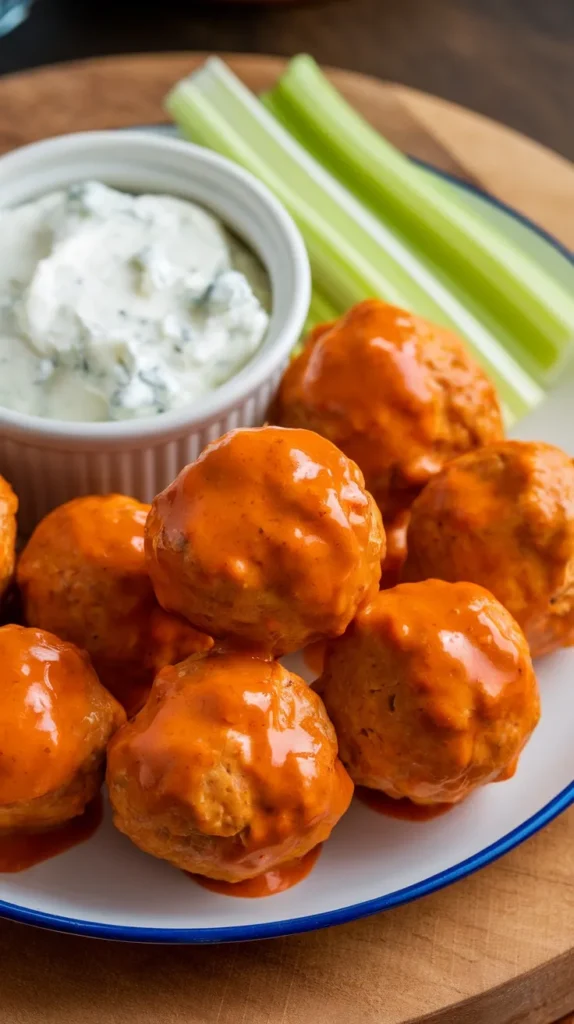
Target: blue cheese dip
(114, 306)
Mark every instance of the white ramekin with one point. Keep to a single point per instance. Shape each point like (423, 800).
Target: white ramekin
(49, 461)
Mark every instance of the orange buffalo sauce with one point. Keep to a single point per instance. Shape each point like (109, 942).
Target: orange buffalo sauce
(503, 517)
(54, 714)
(431, 691)
(269, 537)
(271, 882)
(237, 756)
(399, 395)
(8, 529)
(55, 721)
(22, 850)
(83, 576)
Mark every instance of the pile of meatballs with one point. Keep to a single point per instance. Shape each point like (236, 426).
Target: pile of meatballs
(381, 511)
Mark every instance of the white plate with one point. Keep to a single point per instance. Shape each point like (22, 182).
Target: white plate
(106, 887)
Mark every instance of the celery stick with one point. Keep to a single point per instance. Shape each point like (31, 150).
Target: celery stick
(321, 311)
(352, 254)
(537, 312)
(296, 173)
(343, 274)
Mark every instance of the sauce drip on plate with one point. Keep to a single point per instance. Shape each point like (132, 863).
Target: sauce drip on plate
(404, 809)
(22, 850)
(269, 883)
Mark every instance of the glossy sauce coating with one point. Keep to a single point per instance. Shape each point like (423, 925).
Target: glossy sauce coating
(431, 691)
(269, 538)
(230, 769)
(55, 721)
(400, 396)
(8, 509)
(503, 517)
(278, 879)
(83, 576)
(22, 850)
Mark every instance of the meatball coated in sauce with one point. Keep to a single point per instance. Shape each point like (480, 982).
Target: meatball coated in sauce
(83, 576)
(503, 517)
(269, 539)
(431, 692)
(8, 509)
(229, 770)
(55, 721)
(399, 396)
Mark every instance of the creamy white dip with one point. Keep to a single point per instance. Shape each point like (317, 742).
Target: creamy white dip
(115, 306)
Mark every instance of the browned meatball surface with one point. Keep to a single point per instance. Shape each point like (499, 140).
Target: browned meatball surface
(229, 770)
(400, 396)
(503, 517)
(55, 721)
(268, 539)
(431, 692)
(83, 576)
(8, 509)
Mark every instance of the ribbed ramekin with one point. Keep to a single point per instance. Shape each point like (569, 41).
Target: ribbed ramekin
(49, 461)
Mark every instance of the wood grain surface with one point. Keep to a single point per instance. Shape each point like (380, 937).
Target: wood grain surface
(119, 91)
(507, 59)
(495, 948)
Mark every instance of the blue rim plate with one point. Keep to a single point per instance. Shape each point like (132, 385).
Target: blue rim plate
(463, 867)
(244, 933)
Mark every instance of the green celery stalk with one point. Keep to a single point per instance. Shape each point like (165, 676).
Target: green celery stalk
(352, 254)
(536, 311)
(343, 274)
(276, 159)
(321, 311)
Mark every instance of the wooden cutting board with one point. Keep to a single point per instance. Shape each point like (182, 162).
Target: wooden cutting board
(495, 948)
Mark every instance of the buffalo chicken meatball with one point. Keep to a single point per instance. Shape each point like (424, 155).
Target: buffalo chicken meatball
(431, 692)
(400, 396)
(230, 769)
(55, 721)
(8, 509)
(83, 576)
(503, 517)
(268, 539)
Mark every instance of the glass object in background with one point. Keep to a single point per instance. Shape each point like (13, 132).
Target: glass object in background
(12, 14)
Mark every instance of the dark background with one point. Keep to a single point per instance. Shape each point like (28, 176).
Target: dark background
(510, 59)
